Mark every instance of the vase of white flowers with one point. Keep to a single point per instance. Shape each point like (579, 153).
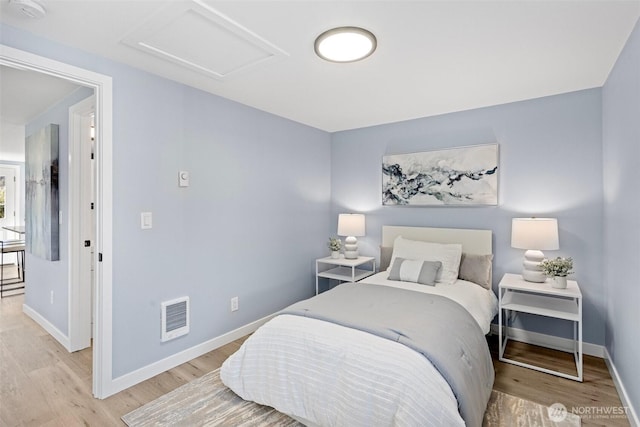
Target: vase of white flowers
(334, 245)
(558, 269)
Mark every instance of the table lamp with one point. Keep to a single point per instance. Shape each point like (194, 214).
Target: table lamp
(352, 226)
(534, 235)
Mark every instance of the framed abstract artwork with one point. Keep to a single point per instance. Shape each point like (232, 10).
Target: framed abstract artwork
(42, 237)
(456, 176)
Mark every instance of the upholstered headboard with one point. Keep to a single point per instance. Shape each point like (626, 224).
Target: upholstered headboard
(473, 241)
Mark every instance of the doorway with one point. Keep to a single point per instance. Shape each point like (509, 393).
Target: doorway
(102, 342)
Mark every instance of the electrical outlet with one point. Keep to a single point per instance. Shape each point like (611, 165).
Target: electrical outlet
(234, 304)
(51, 297)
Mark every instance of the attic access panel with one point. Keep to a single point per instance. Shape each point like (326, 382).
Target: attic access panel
(196, 36)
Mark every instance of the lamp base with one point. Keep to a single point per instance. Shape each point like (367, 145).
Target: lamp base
(532, 272)
(351, 248)
(351, 254)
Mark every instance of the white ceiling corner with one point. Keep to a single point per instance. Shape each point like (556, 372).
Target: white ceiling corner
(196, 36)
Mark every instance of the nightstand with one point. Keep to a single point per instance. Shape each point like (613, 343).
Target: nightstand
(344, 270)
(519, 296)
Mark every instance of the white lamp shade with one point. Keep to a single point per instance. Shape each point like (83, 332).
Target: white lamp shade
(351, 225)
(534, 233)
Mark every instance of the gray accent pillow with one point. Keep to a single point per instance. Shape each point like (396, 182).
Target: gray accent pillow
(385, 257)
(416, 271)
(476, 269)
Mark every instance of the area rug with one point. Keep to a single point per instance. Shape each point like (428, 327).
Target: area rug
(206, 401)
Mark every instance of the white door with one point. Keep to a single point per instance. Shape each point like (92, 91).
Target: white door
(87, 210)
(82, 223)
(89, 194)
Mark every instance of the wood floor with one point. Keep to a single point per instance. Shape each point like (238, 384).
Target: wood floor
(592, 399)
(41, 384)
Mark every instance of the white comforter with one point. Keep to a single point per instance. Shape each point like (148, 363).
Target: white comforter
(324, 374)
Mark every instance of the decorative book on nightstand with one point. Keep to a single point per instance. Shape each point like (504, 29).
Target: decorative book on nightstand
(519, 296)
(343, 269)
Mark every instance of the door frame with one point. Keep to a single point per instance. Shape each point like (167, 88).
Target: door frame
(102, 374)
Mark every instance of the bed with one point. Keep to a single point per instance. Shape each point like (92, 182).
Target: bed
(381, 352)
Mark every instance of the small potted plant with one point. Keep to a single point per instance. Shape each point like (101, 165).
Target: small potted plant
(557, 269)
(334, 245)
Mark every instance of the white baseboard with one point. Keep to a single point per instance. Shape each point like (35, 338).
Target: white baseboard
(622, 392)
(47, 326)
(550, 341)
(128, 380)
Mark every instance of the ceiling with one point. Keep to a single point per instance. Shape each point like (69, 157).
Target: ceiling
(24, 95)
(433, 57)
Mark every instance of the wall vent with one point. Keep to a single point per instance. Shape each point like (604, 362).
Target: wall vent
(175, 318)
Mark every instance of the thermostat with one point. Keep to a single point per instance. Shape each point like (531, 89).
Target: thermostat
(183, 179)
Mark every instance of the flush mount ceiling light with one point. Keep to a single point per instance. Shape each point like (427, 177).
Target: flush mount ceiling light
(345, 44)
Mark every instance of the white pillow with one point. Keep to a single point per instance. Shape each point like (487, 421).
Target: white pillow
(416, 271)
(448, 254)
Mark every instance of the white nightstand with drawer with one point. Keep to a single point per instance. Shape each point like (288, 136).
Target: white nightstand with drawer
(519, 296)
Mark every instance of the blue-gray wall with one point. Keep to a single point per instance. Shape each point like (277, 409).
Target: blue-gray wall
(550, 165)
(250, 225)
(44, 277)
(621, 142)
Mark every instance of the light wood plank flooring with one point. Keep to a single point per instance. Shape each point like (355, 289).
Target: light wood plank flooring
(43, 385)
(595, 395)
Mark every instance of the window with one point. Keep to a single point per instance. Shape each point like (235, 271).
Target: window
(3, 195)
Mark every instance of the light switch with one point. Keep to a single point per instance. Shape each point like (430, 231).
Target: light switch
(146, 220)
(183, 179)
